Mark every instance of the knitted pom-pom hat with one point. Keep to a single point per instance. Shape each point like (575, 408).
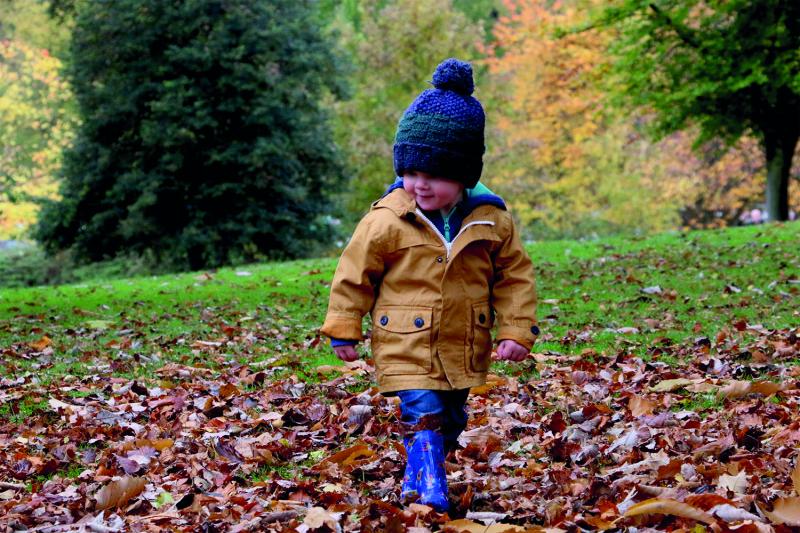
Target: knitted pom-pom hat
(441, 132)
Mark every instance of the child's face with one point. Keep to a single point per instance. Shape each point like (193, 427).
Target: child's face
(432, 192)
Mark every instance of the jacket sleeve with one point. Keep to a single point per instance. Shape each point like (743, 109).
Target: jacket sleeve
(514, 291)
(354, 284)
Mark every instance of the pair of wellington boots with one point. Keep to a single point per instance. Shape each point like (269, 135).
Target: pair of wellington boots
(425, 480)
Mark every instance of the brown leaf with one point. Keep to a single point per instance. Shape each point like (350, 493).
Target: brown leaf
(228, 390)
(796, 478)
(41, 344)
(735, 389)
(669, 470)
(599, 523)
(350, 455)
(119, 492)
(461, 525)
(767, 388)
(786, 511)
(706, 501)
(158, 444)
(492, 381)
(671, 507)
(318, 517)
(640, 405)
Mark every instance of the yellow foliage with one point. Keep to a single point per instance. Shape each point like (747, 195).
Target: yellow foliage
(36, 123)
(395, 51)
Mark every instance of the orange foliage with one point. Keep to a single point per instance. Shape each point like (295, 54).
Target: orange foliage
(567, 161)
(557, 152)
(550, 82)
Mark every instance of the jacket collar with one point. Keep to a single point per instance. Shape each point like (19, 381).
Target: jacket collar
(401, 203)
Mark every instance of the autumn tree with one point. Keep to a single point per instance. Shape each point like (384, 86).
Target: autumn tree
(203, 139)
(37, 115)
(727, 67)
(561, 158)
(395, 46)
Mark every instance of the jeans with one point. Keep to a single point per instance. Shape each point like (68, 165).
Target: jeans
(447, 410)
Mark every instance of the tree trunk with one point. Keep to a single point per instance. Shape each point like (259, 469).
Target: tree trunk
(779, 151)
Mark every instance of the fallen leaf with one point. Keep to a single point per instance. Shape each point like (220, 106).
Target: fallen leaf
(706, 501)
(640, 405)
(461, 525)
(730, 513)
(737, 483)
(228, 390)
(41, 344)
(349, 455)
(670, 507)
(99, 324)
(119, 492)
(163, 499)
(492, 381)
(796, 477)
(486, 517)
(669, 385)
(735, 389)
(786, 511)
(478, 436)
(767, 388)
(359, 414)
(318, 517)
(58, 404)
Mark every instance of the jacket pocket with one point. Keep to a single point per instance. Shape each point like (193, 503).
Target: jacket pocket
(401, 339)
(481, 345)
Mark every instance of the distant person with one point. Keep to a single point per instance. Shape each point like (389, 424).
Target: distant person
(433, 261)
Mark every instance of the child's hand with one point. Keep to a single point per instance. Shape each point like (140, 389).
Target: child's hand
(509, 350)
(346, 353)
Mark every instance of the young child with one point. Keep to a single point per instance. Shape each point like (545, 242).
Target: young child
(433, 261)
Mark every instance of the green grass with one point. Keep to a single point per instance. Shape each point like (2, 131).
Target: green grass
(700, 403)
(269, 313)
(20, 411)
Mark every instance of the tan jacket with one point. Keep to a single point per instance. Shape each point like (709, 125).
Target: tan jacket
(432, 302)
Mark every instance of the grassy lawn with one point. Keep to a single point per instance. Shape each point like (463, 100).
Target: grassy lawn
(591, 298)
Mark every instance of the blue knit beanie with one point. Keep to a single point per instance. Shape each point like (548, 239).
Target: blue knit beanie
(441, 132)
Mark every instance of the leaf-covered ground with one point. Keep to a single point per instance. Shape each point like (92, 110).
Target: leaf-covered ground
(663, 394)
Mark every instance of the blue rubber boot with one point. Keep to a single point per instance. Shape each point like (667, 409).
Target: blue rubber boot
(425, 475)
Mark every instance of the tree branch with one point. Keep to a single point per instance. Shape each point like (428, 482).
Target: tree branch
(683, 32)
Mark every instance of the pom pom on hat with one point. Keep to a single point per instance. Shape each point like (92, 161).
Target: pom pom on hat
(441, 132)
(454, 75)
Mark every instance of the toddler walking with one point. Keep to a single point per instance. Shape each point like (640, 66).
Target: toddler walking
(437, 261)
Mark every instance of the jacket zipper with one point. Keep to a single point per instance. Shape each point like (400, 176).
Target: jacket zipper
(448, 245)
(446, 219)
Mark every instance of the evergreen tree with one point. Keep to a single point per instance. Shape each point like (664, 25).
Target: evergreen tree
(203, 140)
